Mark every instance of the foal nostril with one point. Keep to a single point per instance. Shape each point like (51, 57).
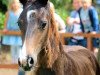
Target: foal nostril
(26, 64)
(30, 61)
(19, 63)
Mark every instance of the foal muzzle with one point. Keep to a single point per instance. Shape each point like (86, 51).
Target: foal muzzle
(26, 64)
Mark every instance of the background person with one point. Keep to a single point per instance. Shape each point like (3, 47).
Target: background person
(61, 27)
(15, 42)
(89, 20)
(73, 22)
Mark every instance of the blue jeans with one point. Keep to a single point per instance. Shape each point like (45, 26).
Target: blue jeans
(21, 72)
(94, 41)
(81, 42)
(15, 53)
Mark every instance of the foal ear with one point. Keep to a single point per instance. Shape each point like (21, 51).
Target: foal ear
(23, 2)
(43, 2)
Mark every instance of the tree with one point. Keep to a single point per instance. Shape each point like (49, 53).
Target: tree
(62, 7)
(3, 9)
(3, 5)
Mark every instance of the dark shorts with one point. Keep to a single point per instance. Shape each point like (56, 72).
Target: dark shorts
(81, 42)
(95, 42)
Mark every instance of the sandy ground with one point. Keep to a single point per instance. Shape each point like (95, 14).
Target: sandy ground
(8, 72)
(5, 58)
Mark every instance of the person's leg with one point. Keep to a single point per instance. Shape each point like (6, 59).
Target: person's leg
(82, 42)
(72, 42)
(21, 72)
(13, 53)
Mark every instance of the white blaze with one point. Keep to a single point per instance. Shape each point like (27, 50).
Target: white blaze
(22, 54)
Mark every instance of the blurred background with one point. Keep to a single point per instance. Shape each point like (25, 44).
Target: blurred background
(63, 7)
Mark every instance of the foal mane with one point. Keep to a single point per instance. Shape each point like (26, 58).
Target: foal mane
(53, 48)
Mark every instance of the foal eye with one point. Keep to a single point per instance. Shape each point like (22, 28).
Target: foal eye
(20, 22)
(43, 24)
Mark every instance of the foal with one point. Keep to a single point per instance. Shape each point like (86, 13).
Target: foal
(42, 51)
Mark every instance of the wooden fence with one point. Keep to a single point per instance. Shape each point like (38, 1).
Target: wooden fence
(89, 37)
(63, 35)
(9, 66)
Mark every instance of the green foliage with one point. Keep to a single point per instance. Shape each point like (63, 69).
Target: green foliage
(3, 9)
(62, 7)
(5, 2)
(2, 17)
(63, 13)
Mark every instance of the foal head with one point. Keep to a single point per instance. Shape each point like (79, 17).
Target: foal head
(34, 24)
(39, 35)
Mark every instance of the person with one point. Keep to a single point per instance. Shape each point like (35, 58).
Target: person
(15, 42)
(61, 27)
(11, 19)
(89, 20)
(73, 22)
